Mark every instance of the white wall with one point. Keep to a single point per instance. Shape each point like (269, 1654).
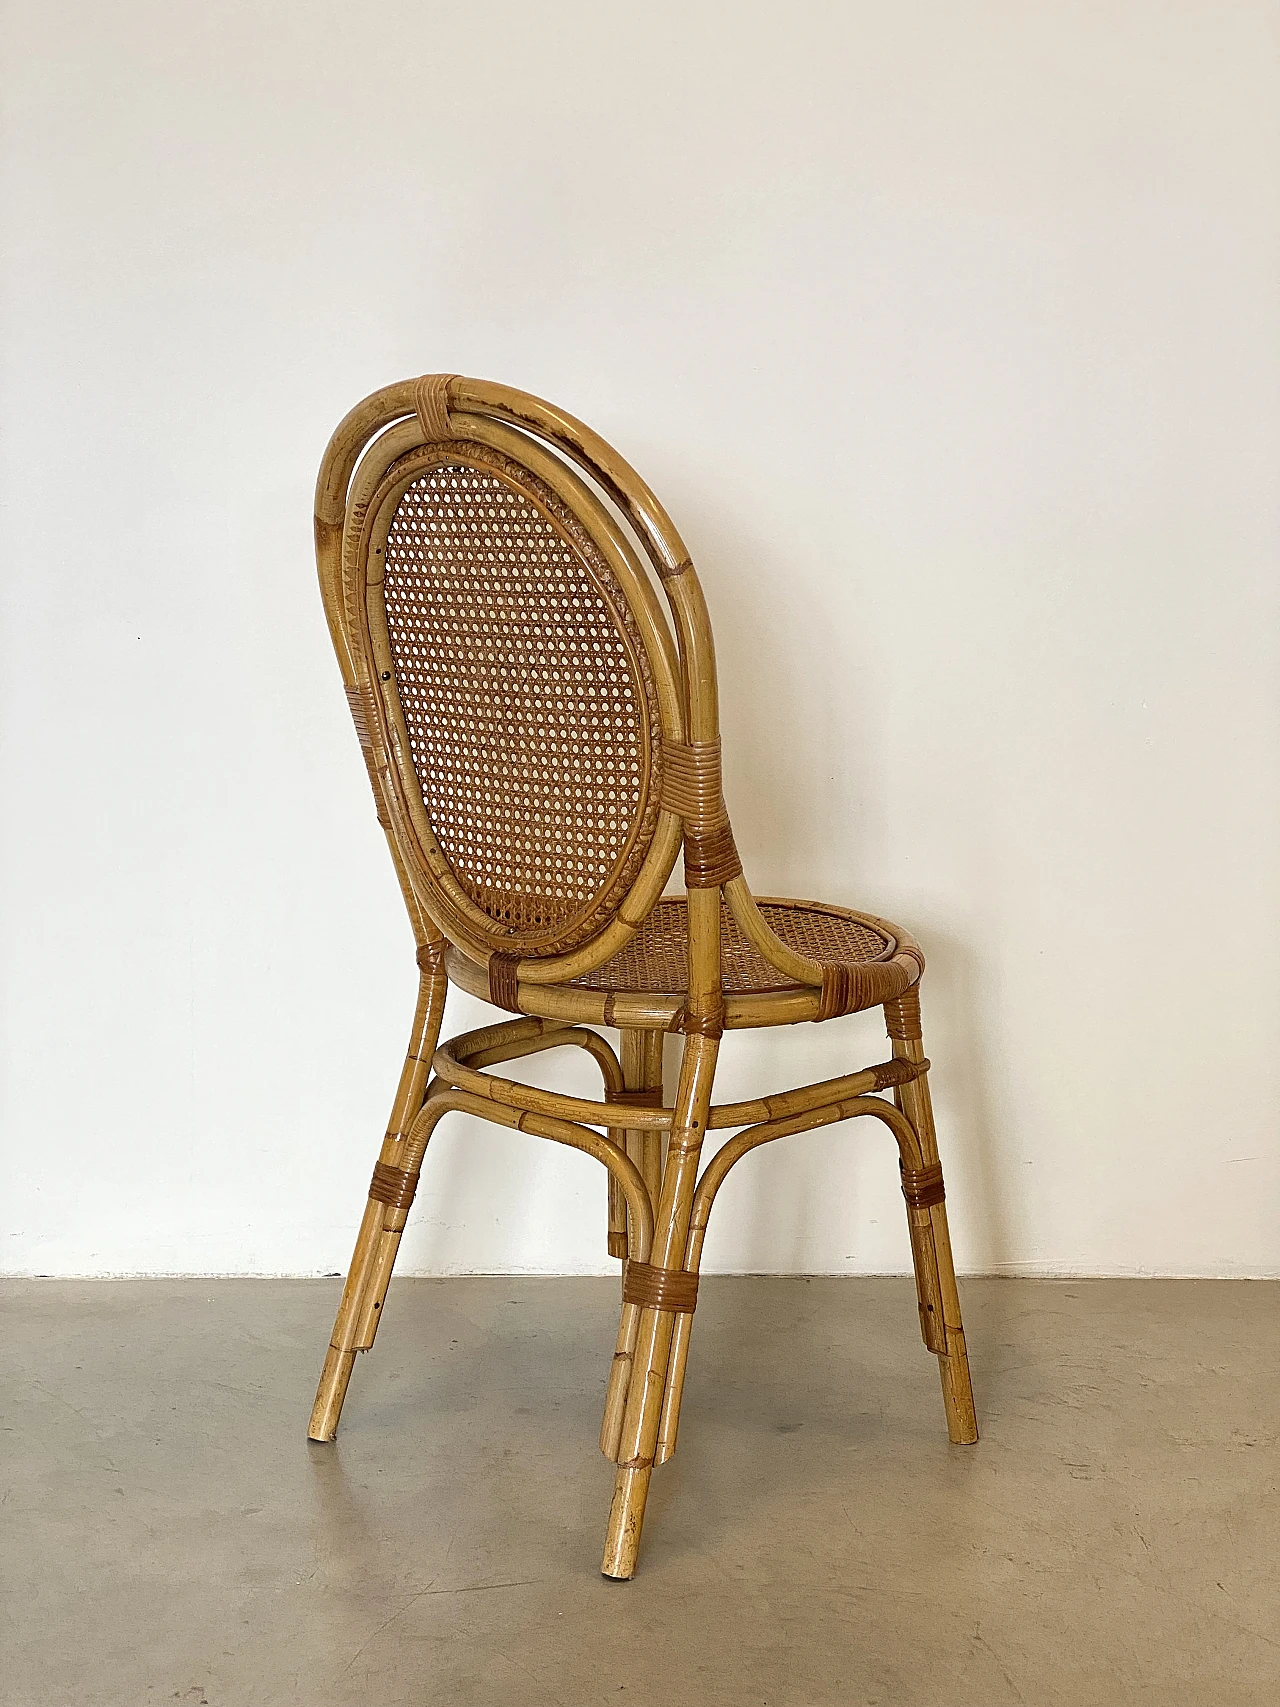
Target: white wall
(948, 334)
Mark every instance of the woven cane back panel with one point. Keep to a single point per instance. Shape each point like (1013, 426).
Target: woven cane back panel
(656, 961)
(527, 697)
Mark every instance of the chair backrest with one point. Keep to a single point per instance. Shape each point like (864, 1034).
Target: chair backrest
(517, 688)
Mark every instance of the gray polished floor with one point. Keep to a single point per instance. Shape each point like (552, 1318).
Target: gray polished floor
(170, 1536)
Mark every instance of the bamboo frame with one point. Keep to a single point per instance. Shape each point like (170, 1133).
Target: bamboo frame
(476, 436)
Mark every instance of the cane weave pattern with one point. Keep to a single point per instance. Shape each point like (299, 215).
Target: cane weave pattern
(527, 697)
(656, 961)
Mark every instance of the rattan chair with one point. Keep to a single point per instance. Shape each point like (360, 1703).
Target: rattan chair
(543, 741)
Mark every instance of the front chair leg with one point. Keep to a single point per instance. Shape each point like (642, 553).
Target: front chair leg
(395, 1179)
(662, 1288)
(930, 1238)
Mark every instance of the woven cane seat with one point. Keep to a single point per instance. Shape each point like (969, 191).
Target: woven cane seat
(655, 962)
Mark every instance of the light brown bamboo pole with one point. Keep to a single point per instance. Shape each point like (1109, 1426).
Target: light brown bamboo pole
(642, 1069)
(652, 1139)
(638, 1441)
(410, 1092)
(452, 1070)
(653, 1340)
(953, 1359)
(518, 1039)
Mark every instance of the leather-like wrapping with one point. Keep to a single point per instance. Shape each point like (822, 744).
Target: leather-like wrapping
(898, 1072)
(691, 782)
(902, 1016)
(431, 400)
(392, 1186)
(699, 1025)
(660, 1288)
(710, 857)
(840, 991)
(355, 700)
(503, 990)
(650, 1097)
(923, 1187)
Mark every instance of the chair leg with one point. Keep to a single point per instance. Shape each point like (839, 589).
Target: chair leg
(930, 1240)
(642, 1068)
(653, 1340)
(642, 1075)
(641, 1055)
(395, 1180)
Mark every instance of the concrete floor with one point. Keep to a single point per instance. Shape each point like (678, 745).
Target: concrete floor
(170, 1536)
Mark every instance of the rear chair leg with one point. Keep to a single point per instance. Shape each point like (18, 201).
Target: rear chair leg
(936, 1290)
(395, 1179)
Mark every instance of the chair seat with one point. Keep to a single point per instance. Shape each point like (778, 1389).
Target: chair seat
(655, 961)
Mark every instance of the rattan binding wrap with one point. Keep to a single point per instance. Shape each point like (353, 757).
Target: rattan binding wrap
(503, 988)
(649, 1098)
(431, 399)
(902, 1016)
(710, 857)
(691, 787)
(922, 1187)
(392, 1186)
(898, 1072)
(430, 957)
(360, 718)
(660, 1288)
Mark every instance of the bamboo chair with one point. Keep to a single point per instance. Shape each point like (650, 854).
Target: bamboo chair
(543, 741)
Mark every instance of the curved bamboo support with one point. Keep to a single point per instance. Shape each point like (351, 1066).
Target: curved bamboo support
(924, 1257)
(458, 1062)
(762, 1109)
(611, 1069)
(884, 980)
(554, 1037)
(567, 1132)
(400, 1165)
(656, 529)
(450, 1066)
(351, 501)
